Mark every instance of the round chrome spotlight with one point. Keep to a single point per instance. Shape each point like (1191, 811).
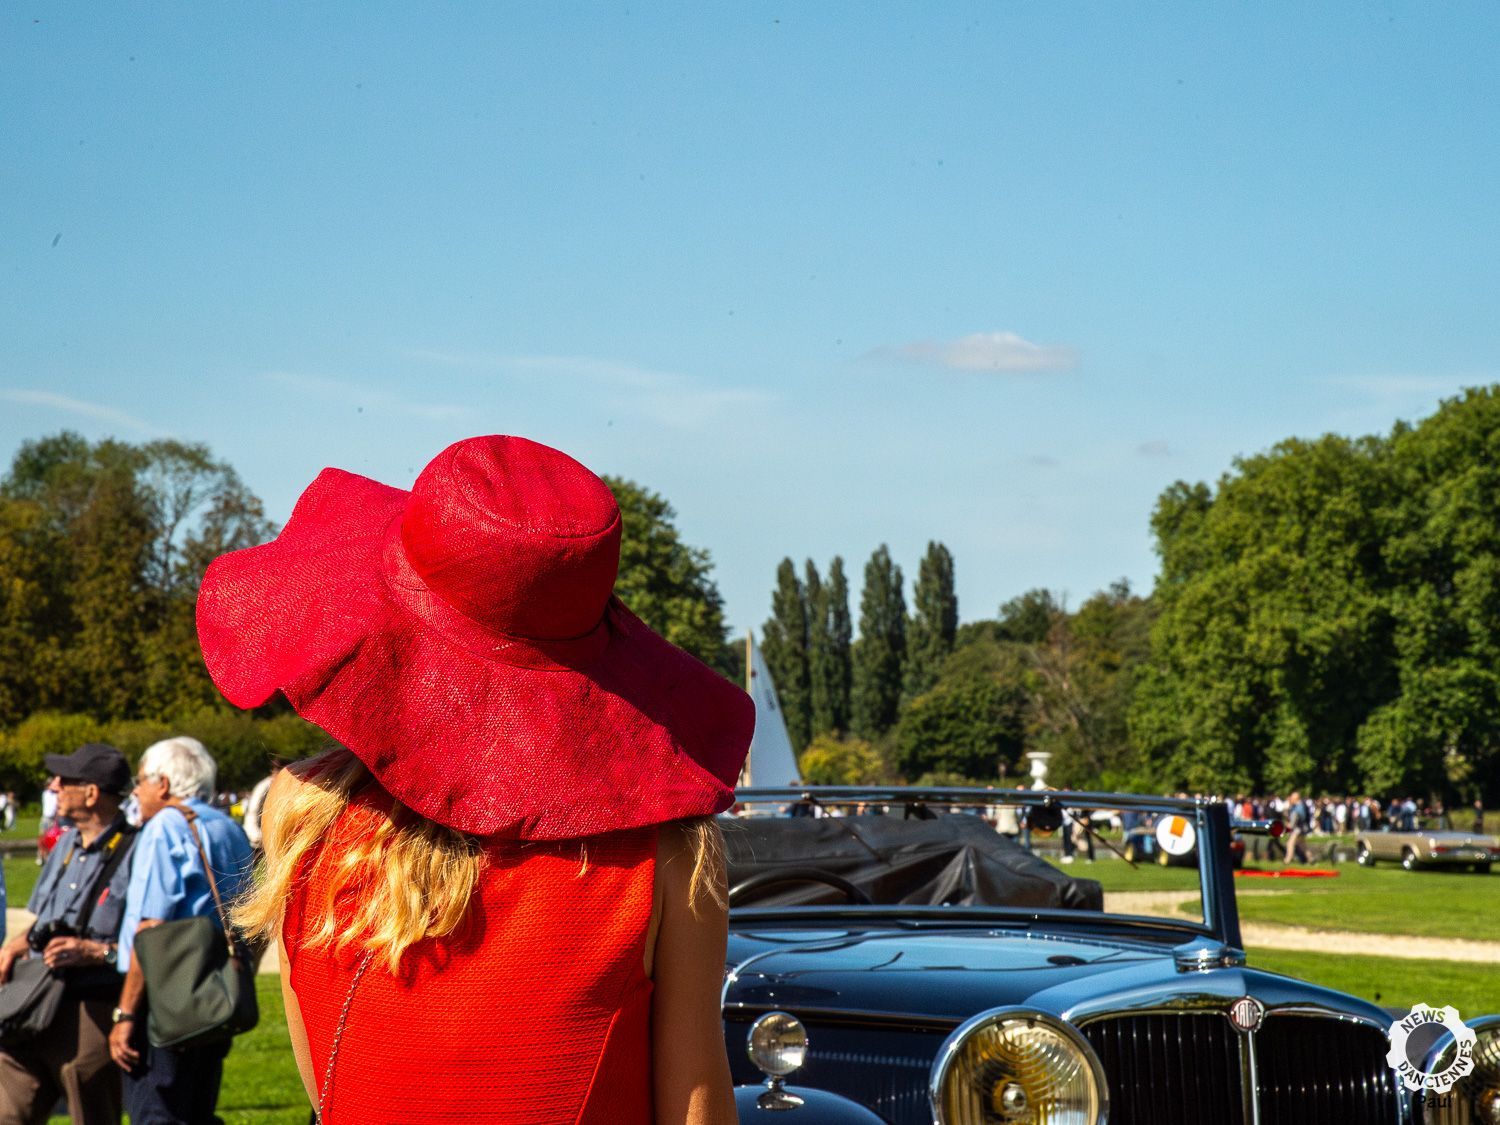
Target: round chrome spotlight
(777, 1043)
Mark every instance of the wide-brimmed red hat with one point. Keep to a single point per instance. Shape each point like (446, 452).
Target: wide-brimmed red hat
(464, 641)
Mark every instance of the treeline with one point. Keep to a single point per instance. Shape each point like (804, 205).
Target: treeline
(1327, 617)
(919, 698)
(1330, 615)
(102, 547)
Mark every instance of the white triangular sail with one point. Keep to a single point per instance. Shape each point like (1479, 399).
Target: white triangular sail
(771, 761)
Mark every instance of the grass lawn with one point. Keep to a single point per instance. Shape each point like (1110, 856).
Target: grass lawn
(1381, 900)
(1117, 875)
(20, 876)
(1392, 982)
(25, 827)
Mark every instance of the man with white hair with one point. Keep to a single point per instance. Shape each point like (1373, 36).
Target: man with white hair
(168, 882)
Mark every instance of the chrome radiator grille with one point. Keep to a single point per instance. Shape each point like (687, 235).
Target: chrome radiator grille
(1189, 1068)
(1316, 1069)
(895, 1086)
(1170, 1069)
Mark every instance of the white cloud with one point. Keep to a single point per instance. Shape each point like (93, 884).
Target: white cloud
(1157, 448)
(1003, 352)
(97, 411)
(679, 401)
(366, 398)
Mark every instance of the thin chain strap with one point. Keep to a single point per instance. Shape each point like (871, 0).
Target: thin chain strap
(338, 1034)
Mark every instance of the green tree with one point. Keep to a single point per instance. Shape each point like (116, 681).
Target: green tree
(665, 582)
(836, 673)
(1028, 619)
(880, 652)
(784, 642)
(1440, 725)
(819, 645)
(1081, 680)
(972, 723)
(934, 624)
(103, 546)
(829, 760)
(1274, 642)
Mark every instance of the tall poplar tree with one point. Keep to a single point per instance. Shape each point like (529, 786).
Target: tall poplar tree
(934, 623)
(881, 649)
(819, 701)
(837, 672)
(784, 644)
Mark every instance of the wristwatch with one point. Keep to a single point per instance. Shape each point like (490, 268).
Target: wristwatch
(123, 1017)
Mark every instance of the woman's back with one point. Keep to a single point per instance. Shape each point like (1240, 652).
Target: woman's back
(540, 999)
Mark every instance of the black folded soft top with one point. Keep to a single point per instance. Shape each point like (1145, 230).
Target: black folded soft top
(958, 859)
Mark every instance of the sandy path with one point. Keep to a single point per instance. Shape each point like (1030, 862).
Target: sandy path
(1166, 904)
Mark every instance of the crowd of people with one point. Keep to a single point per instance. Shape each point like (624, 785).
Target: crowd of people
(128, 859)
(1301, 818)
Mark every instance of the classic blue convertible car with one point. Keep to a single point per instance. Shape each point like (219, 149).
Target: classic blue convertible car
(905, 964)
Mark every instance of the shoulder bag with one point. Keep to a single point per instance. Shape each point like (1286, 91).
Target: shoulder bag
(200, 982)
(30, 999)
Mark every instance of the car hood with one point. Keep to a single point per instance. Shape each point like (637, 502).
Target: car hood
(945, 977)
(942, 975)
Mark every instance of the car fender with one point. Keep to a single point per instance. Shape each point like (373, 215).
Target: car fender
(819, 1107)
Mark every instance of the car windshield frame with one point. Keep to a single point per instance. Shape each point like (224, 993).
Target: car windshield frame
(1210, 819)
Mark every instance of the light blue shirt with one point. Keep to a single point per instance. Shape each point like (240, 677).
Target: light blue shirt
(167, 880)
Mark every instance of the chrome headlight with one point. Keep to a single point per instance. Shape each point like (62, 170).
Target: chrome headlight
(1476, 1097)
(777, 1043)
(1013, 1066)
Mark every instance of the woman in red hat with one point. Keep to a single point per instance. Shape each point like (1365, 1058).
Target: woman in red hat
(500, 898)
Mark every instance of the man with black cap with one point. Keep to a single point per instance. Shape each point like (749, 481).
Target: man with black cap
(78, 902)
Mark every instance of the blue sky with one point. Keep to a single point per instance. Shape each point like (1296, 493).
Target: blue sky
(824, 275)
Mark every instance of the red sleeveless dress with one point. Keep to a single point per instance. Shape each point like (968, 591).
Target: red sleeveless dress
(537, 1013)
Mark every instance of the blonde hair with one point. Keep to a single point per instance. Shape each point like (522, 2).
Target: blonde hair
(416, 876)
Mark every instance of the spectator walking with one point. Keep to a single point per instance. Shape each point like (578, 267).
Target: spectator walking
(1296, 821)
(78, 902)
(168, 882)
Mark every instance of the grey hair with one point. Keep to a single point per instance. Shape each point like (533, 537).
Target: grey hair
(187, 766)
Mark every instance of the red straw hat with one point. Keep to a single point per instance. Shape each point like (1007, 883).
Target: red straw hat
(463, 640)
